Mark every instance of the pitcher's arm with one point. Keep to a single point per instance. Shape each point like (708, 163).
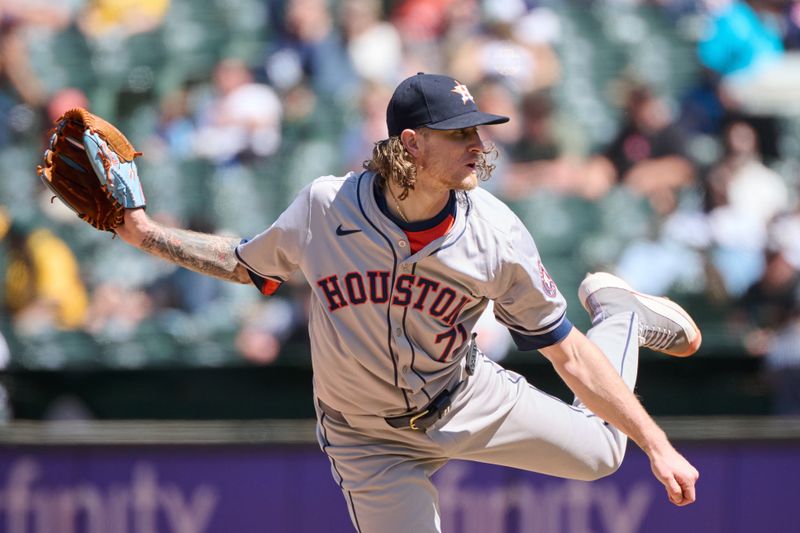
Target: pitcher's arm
(213, 255)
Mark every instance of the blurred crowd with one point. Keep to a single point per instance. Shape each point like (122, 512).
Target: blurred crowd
(658, 139)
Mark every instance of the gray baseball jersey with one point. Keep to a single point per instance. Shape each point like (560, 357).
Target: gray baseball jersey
(391, 317)
(389, 327)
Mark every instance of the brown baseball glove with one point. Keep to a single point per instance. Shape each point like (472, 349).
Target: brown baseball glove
(89, 166)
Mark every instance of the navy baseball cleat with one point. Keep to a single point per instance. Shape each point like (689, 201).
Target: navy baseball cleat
(664, 326)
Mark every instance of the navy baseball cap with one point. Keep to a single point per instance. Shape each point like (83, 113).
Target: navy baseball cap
(436, 102)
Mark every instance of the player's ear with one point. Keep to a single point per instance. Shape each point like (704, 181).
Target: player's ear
(410, 140)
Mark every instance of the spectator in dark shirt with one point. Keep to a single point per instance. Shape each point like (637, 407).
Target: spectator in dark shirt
(548, 153)
(648, 154)
(770, 316)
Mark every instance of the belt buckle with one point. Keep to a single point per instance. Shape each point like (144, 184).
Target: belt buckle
(413, 422)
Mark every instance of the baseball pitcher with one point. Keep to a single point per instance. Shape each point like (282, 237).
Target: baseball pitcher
(402, 258)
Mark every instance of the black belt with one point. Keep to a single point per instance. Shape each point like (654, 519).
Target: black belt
(418, 421)
(425, 418)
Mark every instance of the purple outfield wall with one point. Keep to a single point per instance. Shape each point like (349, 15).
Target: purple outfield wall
(745, 487)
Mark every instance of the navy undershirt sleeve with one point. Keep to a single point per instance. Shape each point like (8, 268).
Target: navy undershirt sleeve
(534, 342)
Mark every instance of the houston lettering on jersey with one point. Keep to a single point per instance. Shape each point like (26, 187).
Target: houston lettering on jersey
(418, 292)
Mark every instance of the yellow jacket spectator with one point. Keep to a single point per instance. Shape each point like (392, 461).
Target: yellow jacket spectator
(42, 281)
(123, 17)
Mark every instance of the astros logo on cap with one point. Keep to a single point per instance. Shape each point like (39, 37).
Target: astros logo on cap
(462, 90)
(428, 100)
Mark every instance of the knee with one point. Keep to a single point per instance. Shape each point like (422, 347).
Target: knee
(605, 468)
(603, 465)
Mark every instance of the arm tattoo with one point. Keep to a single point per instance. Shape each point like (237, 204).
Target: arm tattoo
(207, 254)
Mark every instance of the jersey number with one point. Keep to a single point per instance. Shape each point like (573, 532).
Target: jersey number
(449, 337)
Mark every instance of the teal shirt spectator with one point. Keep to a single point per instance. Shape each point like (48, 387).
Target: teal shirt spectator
(738, 40)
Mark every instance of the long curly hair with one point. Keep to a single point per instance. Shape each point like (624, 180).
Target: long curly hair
(392, 162)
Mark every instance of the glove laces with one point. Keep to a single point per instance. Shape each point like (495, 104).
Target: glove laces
(656, 337)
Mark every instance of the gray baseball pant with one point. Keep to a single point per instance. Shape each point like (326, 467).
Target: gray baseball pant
(497, 418)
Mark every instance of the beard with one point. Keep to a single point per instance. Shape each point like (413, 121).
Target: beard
(468, 183)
